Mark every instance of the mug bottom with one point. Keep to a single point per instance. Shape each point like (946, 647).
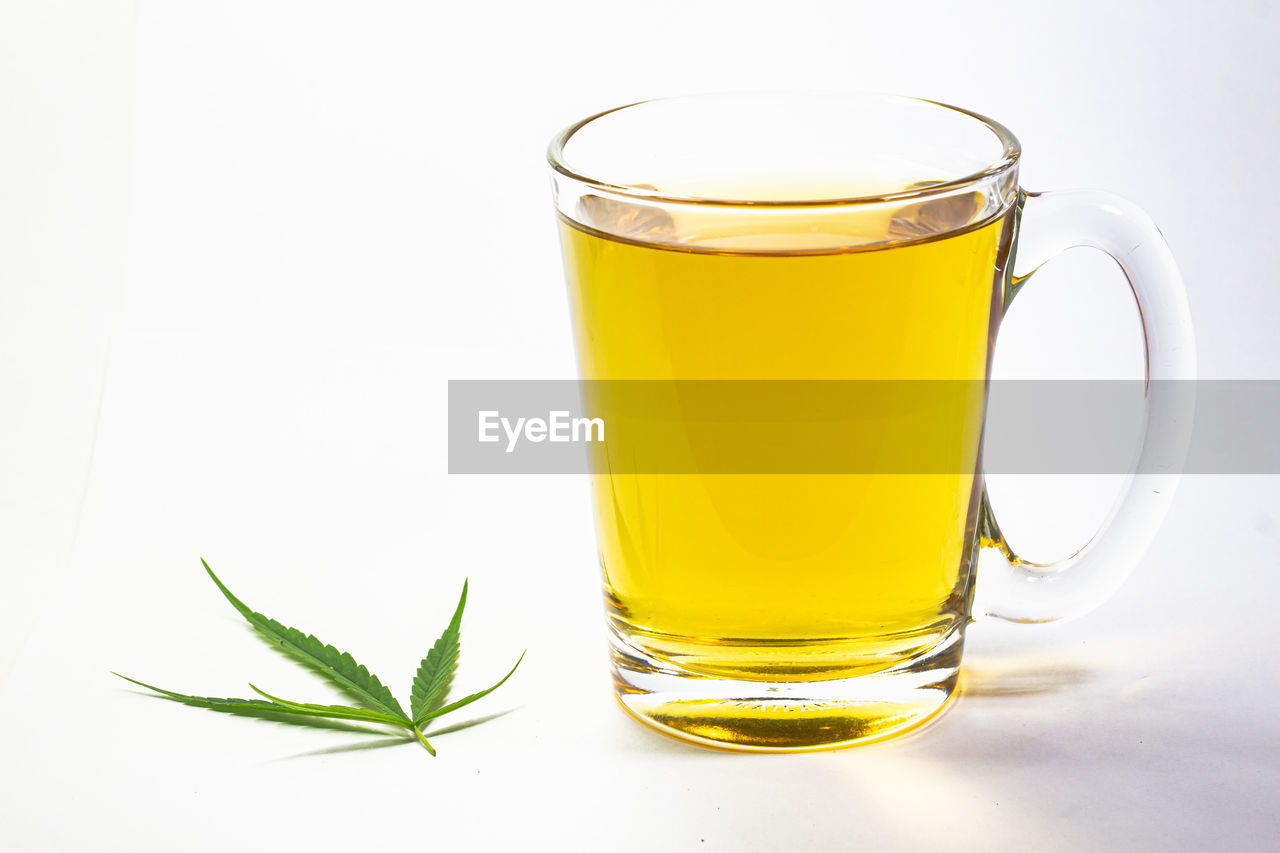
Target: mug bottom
(805, 716)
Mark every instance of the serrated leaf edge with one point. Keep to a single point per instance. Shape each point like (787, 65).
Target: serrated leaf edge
(357, 678)
(467, 700)
(435, 671)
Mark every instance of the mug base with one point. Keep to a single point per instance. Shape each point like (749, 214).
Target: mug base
(764, 716)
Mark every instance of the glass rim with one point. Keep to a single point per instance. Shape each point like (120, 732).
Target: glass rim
(1012, 151)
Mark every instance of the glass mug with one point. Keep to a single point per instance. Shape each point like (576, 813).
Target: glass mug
(821, 236)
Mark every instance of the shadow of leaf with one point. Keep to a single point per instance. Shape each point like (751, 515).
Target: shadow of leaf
(466, 724)
(359, 746)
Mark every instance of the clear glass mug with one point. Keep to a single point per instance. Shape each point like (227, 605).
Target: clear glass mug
(820, 236)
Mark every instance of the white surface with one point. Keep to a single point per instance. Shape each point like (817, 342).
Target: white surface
(333, 209)
(66, 91)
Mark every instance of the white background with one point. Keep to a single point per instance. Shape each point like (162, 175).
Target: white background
(243, 245)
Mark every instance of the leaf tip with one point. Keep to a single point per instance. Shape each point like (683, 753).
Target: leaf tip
(134, 681)
(456, 622)
(227, 594)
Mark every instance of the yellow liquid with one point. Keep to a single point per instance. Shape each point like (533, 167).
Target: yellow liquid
(787, 577)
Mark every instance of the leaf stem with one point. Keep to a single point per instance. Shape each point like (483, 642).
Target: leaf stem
(417, 731)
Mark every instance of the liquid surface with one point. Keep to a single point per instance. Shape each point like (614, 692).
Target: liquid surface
(786, 577)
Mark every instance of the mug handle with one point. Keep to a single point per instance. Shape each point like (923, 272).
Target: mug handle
(1019, 590)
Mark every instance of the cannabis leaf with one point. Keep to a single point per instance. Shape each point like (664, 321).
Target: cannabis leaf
(436, 670)
(430, 685)
(338, 666)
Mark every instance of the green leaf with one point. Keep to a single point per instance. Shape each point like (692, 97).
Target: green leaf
(436, 670)
(467, 700)
(252, 707)
(430, 684)
(336, 665)
(341, 712)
